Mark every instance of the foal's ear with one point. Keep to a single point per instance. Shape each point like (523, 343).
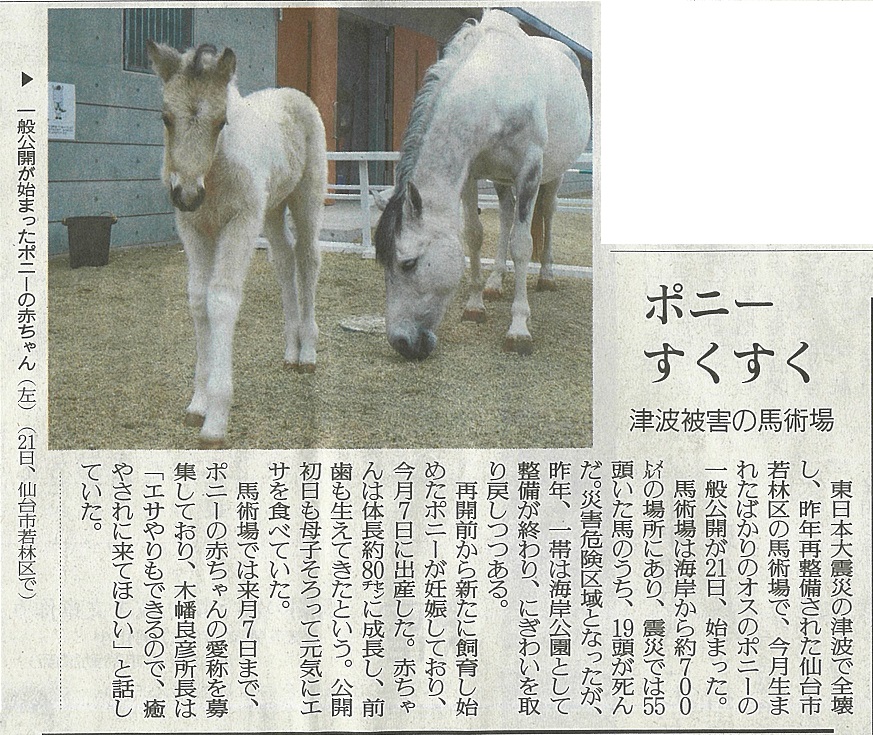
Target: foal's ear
(227, 65)
(166, 61)
(414, 198)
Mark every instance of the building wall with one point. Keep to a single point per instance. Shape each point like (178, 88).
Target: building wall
(308, 42)
(115, 162)
(307, 60)
(414, 53)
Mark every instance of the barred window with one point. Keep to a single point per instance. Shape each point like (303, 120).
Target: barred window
(173, 26)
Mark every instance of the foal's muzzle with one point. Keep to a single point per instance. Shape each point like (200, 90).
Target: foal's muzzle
(186, 202)
(416, 346)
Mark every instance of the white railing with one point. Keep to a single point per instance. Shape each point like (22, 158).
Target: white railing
(355, 191)
(351, 191)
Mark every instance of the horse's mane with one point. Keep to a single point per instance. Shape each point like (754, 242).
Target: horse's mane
(435, 79)
(458, 49)
(196, 66)
(199, 60)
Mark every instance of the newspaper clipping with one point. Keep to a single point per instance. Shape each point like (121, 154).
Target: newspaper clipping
(421, 367)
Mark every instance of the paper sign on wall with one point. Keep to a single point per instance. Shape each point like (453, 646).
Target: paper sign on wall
(62, 111)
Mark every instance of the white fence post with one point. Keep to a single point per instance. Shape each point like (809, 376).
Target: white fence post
(364, 178)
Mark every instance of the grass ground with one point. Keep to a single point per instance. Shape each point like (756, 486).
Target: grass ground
(121, 355)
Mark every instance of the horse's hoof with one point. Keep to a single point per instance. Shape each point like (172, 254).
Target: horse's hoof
(518, 345)
(478, 316)
(194, 420)
(215, 443)
(492, 294)
(546, 284)
(300, 367)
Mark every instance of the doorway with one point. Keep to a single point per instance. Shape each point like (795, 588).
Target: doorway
(363, 102)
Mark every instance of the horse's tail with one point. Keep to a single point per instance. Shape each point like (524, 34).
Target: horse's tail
(537, 228)
(544, 203)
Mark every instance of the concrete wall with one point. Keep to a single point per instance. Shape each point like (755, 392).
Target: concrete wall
(115, 162)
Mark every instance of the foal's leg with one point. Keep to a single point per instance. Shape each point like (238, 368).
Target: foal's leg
(547, 203)
(233, 253)
(518, 338)
(306, 206)
(199, 252)
(474, 311)
(286, 273)
(494, 284)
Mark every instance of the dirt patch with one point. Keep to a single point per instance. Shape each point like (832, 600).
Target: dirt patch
(121, 356)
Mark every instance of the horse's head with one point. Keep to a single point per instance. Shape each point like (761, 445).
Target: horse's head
(194, 113)
(424, 261)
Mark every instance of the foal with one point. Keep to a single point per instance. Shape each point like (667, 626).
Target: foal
(233, 165)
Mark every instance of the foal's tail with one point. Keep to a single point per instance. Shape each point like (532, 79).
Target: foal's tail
(315, 172)
(317, 155)
(306, 203)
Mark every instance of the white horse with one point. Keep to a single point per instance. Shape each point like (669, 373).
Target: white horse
(233, 165)
(499, 105)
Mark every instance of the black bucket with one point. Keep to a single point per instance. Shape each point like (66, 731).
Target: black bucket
(89, 239)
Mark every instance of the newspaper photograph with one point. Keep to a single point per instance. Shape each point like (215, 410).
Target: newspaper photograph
(436, 367)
